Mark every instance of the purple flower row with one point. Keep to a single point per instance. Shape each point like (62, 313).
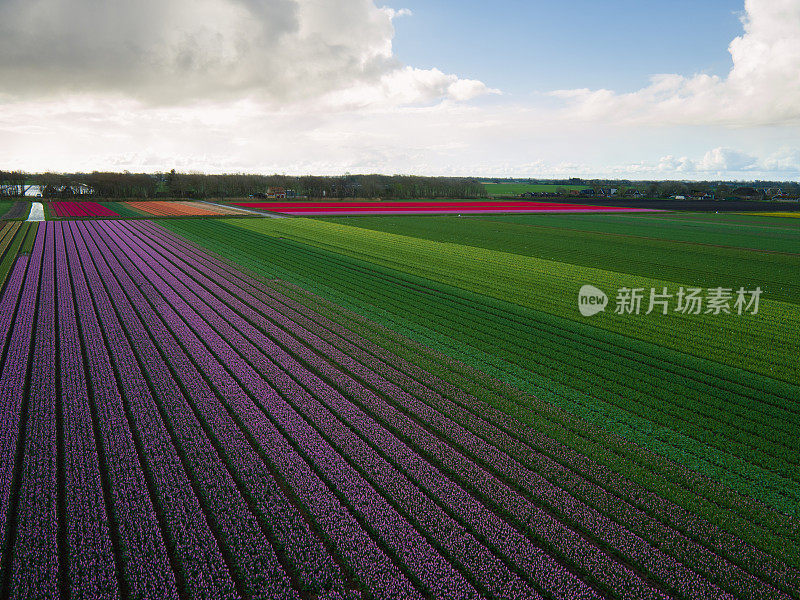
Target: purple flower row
(35, 561)
(221, 306)
(549, 459)
(432, 570)
(536, 561)
(354, 388)
(198, 555)
(145, 566)
(536, 486)
(91, 569)
(238, 527)
(367, 561)
(12, 392)
(674, 542)
(491, 573)
(34, 571)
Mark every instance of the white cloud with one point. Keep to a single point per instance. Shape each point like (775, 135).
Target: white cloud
(176, 51)
(762, 87)
(405, 86)
(721, 160)
(671, 164)
(394, 13)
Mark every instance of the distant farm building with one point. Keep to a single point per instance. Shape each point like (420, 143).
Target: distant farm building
(29, 191)
(49, 191)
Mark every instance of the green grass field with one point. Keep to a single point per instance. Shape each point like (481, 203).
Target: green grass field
(716, 393)
(756, 233)
(515, 189)
(123, 210)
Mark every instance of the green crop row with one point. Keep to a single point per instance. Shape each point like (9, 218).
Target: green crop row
(15, 238)
(739, 231)
(705, 266)
(753, 342)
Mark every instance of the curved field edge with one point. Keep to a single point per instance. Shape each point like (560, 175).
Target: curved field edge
(727, 509)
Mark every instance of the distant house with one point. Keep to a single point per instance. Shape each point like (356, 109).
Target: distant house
(81, 189)
(62, 191)
(276, 192)
(587, 192)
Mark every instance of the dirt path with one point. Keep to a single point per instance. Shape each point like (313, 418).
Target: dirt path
(37, 212)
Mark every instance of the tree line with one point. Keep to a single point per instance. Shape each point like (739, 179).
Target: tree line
(196, 185)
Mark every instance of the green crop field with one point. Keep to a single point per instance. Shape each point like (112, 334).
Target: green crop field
(724, 229)
(15, 238)
(717, 393)
(515, 189)
(399, 407)
(623, 244)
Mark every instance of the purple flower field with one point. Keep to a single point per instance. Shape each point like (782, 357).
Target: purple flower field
(174, 427)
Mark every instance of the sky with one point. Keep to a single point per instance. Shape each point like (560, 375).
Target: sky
(629, 89)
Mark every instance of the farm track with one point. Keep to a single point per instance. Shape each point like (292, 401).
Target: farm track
(475, 322)
(229, 441)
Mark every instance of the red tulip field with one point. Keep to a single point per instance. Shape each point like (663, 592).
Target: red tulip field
(81, 209)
